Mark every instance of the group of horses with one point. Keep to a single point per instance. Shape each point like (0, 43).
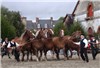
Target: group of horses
(40, 45)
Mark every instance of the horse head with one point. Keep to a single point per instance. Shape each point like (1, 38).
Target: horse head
(76, 36)
(27, 35)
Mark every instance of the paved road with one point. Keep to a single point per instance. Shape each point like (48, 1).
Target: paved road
(72, 63)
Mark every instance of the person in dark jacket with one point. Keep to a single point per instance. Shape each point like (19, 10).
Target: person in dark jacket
(4, 48)
(83, 48)
(93, 42)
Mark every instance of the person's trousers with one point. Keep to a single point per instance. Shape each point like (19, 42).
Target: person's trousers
(84, 56)
(94, 52)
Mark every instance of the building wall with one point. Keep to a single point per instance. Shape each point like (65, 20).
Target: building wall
(91, 23)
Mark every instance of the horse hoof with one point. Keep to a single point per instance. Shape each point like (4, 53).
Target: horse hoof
(45, 59)
(65, 59)
(37, 60)
(18, 60)
(31, 59)
(22, 60)
(9, 57)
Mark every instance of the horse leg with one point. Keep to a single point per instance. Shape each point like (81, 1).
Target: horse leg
(45, 53)
(27, 55)
(71, 53)
(23, 54)
(66, 52)
(37, 55)
(31, 59)
(57, 53)
(40, 55)
(78, 53)
(53, 54)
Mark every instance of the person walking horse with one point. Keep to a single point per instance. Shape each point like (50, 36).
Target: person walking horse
(4, 48)
(13, 46)
(83, 48)
(93, 42)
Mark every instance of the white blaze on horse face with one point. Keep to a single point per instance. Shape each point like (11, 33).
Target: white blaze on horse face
(37, 33)
(33, 34)
(52, 31)
(62, 33)
(45, 34)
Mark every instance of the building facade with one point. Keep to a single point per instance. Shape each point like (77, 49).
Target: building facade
(40, 23)
(88, 13)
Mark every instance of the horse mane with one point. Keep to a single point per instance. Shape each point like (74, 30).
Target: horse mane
(22, 35)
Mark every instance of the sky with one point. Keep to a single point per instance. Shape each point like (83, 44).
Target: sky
(44, 9)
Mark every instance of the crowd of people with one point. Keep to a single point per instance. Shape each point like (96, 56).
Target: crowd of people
(84, 43)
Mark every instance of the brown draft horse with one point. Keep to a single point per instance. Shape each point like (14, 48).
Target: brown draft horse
(36, 45)
(59, 43)
(55, 43)
(66, 43)
(48, 45)
(74, 38)
(73, 46)
(24, 40)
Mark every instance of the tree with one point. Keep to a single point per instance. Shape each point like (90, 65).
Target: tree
(7, 30)
(11, 25)
(16, 22)
(58, 27)
(76, 26)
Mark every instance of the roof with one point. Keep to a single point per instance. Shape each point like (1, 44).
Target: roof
(49, 23)
(30, 25)
(81, 6)
(43, 24)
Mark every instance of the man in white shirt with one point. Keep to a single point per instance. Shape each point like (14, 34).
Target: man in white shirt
(4, 49)
(12, 44)
(83, 48)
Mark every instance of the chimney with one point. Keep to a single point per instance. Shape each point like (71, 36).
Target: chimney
(23, 19)
(37, 20)
(51, 18)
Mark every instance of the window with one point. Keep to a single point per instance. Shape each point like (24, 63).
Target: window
(90, 10)
(38, 26)
(53, 25)
(90, 31)
(45, 25)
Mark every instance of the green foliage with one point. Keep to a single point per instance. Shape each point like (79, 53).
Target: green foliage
(58, 27)
(16, 22)
(97, 36)
(76, 26)
(11, 25)
(7, 30)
